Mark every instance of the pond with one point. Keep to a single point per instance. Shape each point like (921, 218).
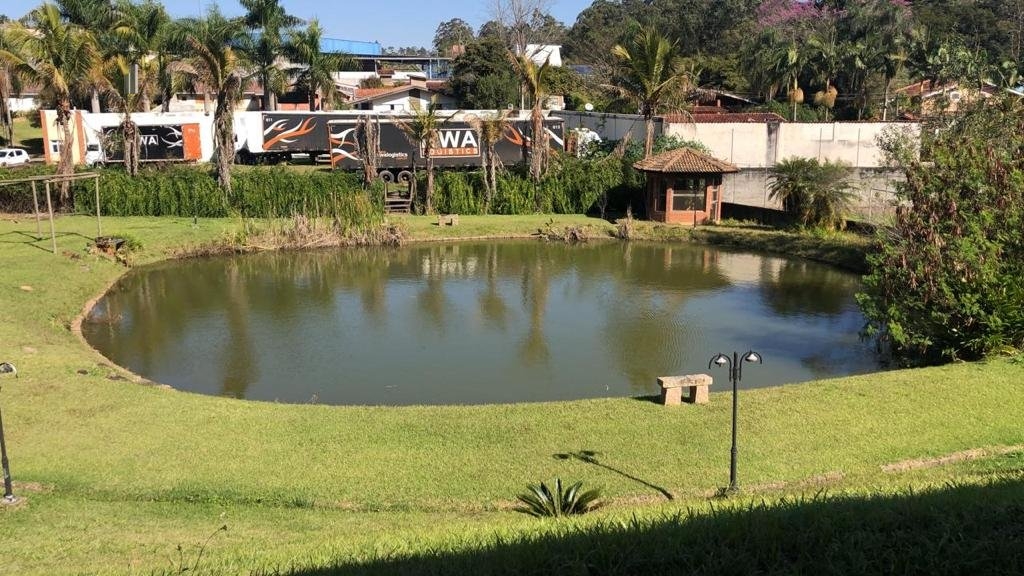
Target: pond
(473, 323)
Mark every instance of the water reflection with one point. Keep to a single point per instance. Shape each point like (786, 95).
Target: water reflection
(469, 323)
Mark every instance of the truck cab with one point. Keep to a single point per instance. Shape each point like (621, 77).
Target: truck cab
(94, 154)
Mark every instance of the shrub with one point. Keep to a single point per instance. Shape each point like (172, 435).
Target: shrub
(944, 283)
(541, 501)
(276, 192)
(818, 194)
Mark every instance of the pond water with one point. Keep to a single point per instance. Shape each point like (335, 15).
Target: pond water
(471, 323)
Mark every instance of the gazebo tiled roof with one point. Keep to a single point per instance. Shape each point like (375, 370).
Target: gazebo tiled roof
(686, 161)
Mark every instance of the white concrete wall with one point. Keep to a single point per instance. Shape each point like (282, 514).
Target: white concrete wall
(742, 144)
(750, 145)
(196, 105)
(22, 104)
(852, 143)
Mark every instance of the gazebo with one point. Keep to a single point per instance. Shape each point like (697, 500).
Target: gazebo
(683, 186)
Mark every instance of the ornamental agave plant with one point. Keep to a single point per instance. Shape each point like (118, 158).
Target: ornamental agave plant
(541, 501)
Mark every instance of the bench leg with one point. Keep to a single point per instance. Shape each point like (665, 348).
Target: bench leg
(697, 394)
(671, 396)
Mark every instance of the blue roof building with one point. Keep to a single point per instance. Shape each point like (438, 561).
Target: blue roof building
(351, 47)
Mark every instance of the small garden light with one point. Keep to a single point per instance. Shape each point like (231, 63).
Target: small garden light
(735, 365)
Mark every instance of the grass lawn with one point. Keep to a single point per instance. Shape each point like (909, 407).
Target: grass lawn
(116, 474)
(26, 136)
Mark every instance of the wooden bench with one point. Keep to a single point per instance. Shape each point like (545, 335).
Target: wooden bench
(447, 219)
(696, 386)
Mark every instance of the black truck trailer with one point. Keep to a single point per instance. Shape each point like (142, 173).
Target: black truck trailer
(277, 136)
(458, 144)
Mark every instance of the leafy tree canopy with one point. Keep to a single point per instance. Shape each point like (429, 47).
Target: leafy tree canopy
(482, 77)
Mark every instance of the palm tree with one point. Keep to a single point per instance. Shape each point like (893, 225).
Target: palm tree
(7, 81)
(422, 130)
(890, 44)
(534, 79)
(265, 20)
(787, 61)
(650, 72)
(490, 129)
(126, 101)
(60, 56)
(826, 52)
(96, 17)
(315, 67)
(221, 68)
(141, 31)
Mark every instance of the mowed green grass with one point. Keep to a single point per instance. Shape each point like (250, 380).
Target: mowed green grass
(26, 136)
(116, 473)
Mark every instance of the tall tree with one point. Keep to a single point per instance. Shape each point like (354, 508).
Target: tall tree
(490, 129)
(125, 100)
(598, 27)
(141, 32)
(534, 79)
(60, 56)
(454, 32)
(315, 68)
(482, 78)
(217, 65)
(97, 18)
(266, 19)
(518, 19)
(422, 131)
(650, 71)
(7, 80)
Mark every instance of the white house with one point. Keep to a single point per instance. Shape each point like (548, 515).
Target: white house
(539, 53)
(418, 93)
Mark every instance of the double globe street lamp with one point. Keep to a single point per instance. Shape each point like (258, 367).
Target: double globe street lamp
(735, 365)
(6, 368)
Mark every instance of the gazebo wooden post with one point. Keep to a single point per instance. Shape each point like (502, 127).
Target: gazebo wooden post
(49, 207)
(99, 228)
(35, 204)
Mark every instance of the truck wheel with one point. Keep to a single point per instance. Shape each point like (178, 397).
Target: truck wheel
(386, 176)
(405, 177)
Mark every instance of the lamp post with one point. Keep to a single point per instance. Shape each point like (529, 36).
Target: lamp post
(6, 368)
(735, 365)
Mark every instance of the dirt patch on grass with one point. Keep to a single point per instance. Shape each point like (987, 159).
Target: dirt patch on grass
(964, 455)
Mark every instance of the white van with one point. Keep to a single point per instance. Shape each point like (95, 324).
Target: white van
(93, 154)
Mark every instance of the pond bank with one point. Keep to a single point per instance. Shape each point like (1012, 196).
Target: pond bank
(844, 250)
(115, 474)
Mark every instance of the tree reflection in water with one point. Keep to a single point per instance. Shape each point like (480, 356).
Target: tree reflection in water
(535, 320)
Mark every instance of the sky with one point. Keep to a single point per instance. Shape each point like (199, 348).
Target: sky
(390, 22)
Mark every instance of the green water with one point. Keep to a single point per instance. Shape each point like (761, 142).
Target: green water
(470, 323)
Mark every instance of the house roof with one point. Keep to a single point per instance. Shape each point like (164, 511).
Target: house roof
(368, 94)
(926, 89)
(701, 117)
(684, 161)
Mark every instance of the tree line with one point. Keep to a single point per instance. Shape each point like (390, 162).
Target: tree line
(806, 59)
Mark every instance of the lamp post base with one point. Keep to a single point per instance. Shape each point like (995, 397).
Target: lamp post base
(12, 499)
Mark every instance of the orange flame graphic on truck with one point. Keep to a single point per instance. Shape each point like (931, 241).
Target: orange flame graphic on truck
(306, 127)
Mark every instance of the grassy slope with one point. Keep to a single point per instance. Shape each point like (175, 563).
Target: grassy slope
(26, 136)
(133, 470)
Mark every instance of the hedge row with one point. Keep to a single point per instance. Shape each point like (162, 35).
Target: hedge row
(571, 186)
